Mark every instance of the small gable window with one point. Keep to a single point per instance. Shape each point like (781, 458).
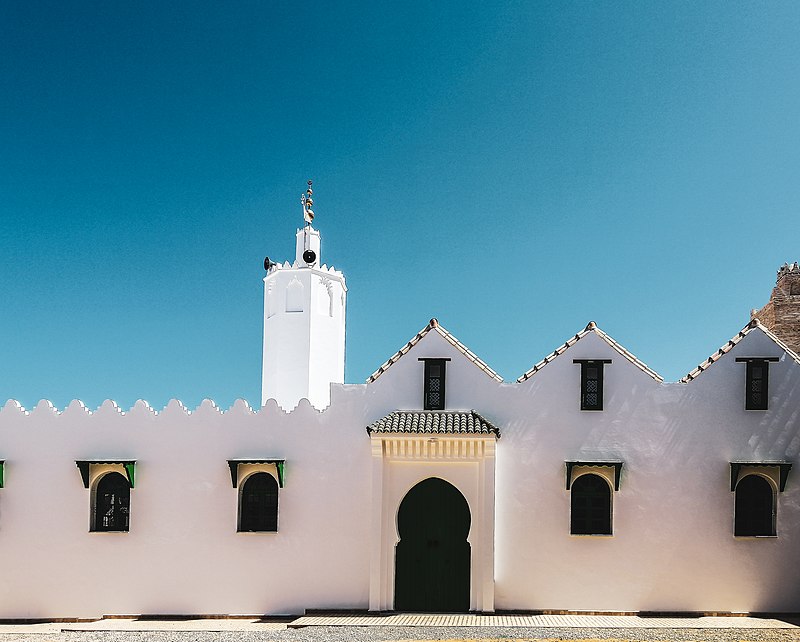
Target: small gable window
(434, 385)
(756, 382)
(258, 504)
(592, 383)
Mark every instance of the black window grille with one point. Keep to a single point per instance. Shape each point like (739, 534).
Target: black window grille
(754, 510)
(592, 383)
(756, 382)
(434, 384)
(590, 506)
(258, 508)
(112, 503)
(757, 385)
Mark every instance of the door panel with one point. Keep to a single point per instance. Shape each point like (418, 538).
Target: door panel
(432, 558)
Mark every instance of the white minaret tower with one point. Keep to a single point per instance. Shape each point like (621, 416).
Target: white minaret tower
(304, 320)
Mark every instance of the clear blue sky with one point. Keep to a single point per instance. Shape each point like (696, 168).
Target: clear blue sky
(515, 169)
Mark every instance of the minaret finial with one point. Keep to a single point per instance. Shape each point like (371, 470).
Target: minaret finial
(307, 201)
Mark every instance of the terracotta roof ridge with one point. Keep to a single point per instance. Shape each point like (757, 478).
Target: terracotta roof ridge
(629, 355)
(751, 325)
(592, 327)
(433, 324)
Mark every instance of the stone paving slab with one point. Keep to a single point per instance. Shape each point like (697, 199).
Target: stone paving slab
(208, 625)
(212, 625)
(41, 627)
(546, 621)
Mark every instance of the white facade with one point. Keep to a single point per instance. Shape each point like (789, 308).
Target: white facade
(671, 547)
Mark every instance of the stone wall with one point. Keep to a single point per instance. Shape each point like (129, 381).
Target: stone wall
(782, 313)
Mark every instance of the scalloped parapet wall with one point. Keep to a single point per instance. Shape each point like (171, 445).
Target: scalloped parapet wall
(294, 265)
(140, 407)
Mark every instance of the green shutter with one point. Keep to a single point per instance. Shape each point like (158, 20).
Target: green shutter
(130, 469)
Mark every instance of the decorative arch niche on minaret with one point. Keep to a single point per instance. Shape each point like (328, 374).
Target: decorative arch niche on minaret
(325, 296)
(294, 296)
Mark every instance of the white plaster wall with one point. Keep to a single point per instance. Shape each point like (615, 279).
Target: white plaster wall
(327, 338)
(183, 554)
(672, 546)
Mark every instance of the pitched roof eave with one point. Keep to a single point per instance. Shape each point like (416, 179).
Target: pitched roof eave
(434, 326)
(592, 327)
(752, 325)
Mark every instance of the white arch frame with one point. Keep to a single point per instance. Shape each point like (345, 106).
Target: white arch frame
(770, 474)
(604, 473)
(245, 472)
(402, 461)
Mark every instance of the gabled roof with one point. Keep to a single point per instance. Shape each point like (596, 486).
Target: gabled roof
(755, 323)
(434, 422)
(433, 326)
(592, 327)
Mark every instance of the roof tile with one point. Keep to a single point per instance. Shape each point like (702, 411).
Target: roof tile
(434, 325)
(755, 323)
(592, 327)
(434, 422)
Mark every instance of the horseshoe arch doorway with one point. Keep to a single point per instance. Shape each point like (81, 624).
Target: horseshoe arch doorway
(432, 558)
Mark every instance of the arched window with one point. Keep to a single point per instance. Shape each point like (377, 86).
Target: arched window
(754, 510)
(590, 501)
(112, 503)
(258, 504)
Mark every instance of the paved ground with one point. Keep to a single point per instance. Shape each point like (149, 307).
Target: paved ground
(394, 627)
(545, 621)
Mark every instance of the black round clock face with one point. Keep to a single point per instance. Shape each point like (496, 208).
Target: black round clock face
(309, 256)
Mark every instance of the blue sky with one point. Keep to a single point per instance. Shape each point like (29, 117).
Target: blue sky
(515, 169)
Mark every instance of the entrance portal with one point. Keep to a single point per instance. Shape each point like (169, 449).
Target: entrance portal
(432, 558)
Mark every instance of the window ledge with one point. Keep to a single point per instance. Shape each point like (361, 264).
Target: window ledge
(755, 537)
(602, 535)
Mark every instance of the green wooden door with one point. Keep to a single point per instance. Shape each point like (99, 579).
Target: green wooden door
(432, 558)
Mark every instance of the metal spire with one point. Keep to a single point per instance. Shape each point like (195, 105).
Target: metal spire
(308, 202)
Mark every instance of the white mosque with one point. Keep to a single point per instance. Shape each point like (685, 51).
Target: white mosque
(588, 484)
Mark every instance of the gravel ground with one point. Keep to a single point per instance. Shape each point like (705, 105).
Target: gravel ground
(459, 634)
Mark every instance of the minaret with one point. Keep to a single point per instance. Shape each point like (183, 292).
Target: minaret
(304, 323)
